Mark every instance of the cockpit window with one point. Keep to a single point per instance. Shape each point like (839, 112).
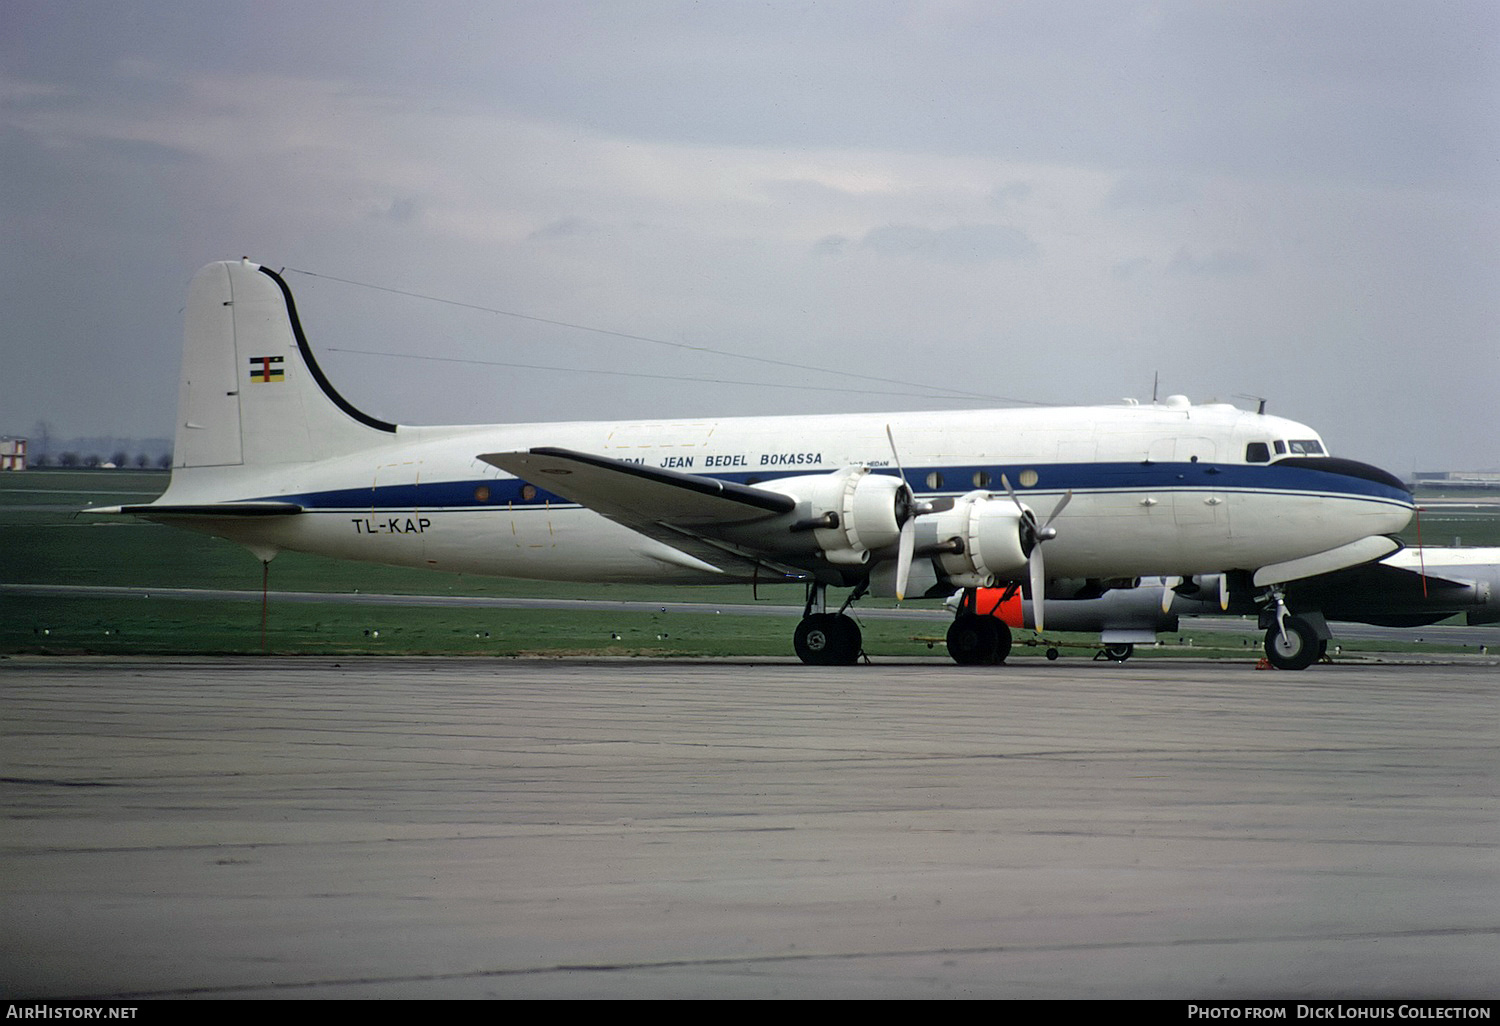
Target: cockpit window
(1280, 447)
(1257, 452)
(1306, 447)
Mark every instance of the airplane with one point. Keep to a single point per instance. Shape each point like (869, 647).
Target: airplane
(1409, 588)
(270, 455)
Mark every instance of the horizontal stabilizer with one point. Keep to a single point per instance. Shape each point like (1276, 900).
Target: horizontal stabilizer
(632, 493)
(205, 511)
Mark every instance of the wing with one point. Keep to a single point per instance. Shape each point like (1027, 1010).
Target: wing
(831, 525)
(1393, 593)
(686, 511)
(632, 492)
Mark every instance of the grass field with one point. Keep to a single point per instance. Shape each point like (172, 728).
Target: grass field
(46, 543)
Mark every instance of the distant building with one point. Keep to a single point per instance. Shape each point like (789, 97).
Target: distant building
(1458, 479)
(12, 454)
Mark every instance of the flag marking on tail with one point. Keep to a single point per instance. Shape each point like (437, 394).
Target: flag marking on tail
(266, 368)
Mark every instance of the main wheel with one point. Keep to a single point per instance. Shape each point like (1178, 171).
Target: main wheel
(828, 639)
(1119, 652)
(978, 640)
(1297, 650)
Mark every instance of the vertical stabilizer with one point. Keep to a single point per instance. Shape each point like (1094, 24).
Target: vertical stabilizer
(251, 393)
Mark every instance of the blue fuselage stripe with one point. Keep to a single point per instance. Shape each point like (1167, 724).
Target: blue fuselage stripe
(1050, 479)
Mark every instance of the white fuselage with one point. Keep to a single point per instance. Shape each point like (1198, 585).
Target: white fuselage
(1155, 489)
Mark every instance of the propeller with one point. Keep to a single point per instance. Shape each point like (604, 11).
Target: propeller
(1171, 586)
(1421, 552)
(908, 508)
(1045, 533)
(1168, 584)
(908, 512)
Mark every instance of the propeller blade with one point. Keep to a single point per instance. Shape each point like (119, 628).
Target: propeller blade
(903, 556)
(1045, 531)
(1167, 584)
(1223, 592)
(889, 437)
(1027, 517)
(1421, 552)
(915, 507)
(1035, 562)
(1038, 586)
(1062, 504)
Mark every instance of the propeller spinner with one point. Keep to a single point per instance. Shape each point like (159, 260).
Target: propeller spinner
(1037, 535)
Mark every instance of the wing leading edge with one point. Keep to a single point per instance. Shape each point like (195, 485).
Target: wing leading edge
(682, 510)
(631, 491)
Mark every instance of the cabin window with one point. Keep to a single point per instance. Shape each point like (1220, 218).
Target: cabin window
(981, 479)
(934, 481)
(1257, 452)
(1307, 447)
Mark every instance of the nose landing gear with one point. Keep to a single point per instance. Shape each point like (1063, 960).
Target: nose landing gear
(1293, 642)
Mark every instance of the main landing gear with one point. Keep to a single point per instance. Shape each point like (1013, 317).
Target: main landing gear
(977, 637)
(828, 639)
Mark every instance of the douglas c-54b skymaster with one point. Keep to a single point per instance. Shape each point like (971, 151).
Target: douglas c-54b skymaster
(270, 455)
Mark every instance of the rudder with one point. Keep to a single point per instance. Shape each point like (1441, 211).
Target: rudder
(251, 392)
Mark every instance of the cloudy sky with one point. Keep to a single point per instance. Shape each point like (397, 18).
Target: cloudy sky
(513, 210)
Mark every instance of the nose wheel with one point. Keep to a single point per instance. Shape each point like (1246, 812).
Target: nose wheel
(1295, 648)
(1292, 642)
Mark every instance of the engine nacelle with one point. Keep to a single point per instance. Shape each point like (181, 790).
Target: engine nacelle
(993, 539)
(849, 513)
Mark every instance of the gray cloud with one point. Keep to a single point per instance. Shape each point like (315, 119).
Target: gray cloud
(1061, 177)
(1010, 193)
(1147, 191)
(1220, 263)
(962, 244)
(1127, 270)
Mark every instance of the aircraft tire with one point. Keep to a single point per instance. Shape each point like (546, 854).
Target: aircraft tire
(828, 639)
(1298, 650)
(1002, 642)
(978, 640)
(1119, 652)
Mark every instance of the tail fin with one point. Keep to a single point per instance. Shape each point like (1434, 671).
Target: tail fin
(251, 392)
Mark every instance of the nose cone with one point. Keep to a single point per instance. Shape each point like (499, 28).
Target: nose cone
(1389, 505)
(1366, 472)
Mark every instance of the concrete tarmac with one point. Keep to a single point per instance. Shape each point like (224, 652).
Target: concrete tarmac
(449, 828)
